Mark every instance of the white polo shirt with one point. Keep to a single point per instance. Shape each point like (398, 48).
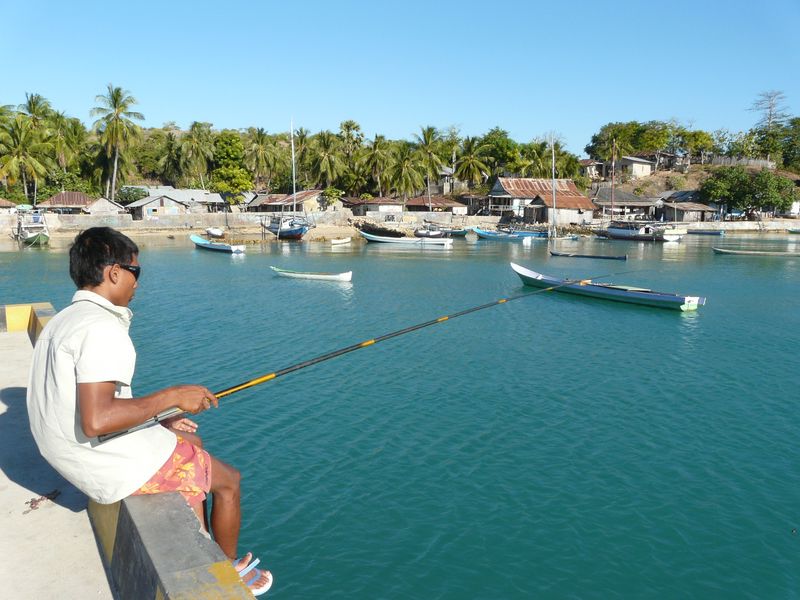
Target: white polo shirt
(88, 342)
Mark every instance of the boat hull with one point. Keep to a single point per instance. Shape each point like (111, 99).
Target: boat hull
(346, 276)
(607, 291)
(755, 252)
(503, 236)
(601, 256)
(407, 241)
(644, 233)
(205, 244)
(36, 239)
(340, 241)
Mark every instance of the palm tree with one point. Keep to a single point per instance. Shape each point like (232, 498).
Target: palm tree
(352, 137)
(23, 153)
(261, 155)
(197, 149)
(406, 172)
(427, 146)
(376, 159)
(327, 163)
(115, 127)
(471, 164)
(301, 153)
(68, 137)
(37, 108)
(170, 162)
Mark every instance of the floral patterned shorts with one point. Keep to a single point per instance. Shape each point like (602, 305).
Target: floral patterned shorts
(187, 471)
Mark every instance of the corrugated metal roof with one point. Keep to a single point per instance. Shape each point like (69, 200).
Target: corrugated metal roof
(284, 199)
(603, 196)
(379, 201)
(690, 206)
(567, 194)
(68, 199)
(150, 199)
(435, 202)
(6, 203)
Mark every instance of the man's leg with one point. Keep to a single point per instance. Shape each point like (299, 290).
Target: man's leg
(226, 514)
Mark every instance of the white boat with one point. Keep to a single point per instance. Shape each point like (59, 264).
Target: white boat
(218, 246)
(644, 231)
(346, 276)
(31, 229)
(407, 241)
(340, 241)
(215, 232)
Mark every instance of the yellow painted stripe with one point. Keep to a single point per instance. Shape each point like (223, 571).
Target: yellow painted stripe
(250, 383)
(502, 300)
(367, 343)
(440, 319)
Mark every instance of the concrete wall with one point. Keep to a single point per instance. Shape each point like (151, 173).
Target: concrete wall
(154, 548)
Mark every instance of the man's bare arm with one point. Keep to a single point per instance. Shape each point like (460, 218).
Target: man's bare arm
(102, 413)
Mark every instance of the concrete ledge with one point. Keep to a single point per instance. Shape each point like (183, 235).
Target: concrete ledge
(153, 548)
(26, 317)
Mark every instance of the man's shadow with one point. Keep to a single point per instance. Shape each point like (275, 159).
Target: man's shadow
(20, 459)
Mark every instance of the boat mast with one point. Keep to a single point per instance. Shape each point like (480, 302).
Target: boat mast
(294, 179)
(553, 166)
(613, 172)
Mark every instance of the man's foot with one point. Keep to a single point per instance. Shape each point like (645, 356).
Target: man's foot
(258, 580)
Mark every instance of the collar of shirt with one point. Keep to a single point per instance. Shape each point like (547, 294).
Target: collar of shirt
(122, 312)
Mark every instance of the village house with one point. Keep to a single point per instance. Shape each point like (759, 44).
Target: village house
(67, 203)
(531, 200)
(436, 204)
(593, 169)
(7, 207)
(685, 205)
(196, 200)
(631, 166)
(377, 209)
(305, 201)
(153, 207)
(624, 205)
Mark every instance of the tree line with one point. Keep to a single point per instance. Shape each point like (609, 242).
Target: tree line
(43, 151)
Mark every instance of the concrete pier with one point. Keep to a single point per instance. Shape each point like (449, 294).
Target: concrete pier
(48, 547)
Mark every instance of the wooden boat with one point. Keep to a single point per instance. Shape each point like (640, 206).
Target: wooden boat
(609, 291)
(287, 228)
(202, 242)
(215, 232)
(340, 241)
(425, 232)
(31, 229)
(505, 236)
(793, 231)
(445, 230)
(574, 255)
(643, 232)
(347, 276)
(755, 252)
(531, 233)
(379, 230)
(706, 231)
(407, 241)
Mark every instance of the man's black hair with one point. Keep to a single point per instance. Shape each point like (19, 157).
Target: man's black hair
(93, 249)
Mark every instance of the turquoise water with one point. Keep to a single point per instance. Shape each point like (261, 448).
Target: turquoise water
(554, 446)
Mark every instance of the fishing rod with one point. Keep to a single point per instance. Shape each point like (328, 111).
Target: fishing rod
(175, 411)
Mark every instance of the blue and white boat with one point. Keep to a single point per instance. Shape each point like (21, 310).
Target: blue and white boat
(509, 236)
(202, 242)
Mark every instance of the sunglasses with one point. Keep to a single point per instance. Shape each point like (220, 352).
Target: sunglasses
(134, 270)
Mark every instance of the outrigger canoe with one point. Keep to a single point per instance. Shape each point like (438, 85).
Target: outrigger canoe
(347, 276)
(201, 242)
(609, 291)
(408, 241)
(573, 255)
(755, 252)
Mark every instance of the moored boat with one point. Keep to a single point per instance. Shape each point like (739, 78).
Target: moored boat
(31, 229)
(575, 255)
(408, 241)
(609, 291)
(643, 232)
(340, 241)
(215, 232)
(346, 276)
(202, 242)
(755, 252)
(706, 231)
(506, 236)
(288, 227)
(793, 230)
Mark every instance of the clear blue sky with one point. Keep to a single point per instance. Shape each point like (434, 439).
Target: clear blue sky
(528, 67)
